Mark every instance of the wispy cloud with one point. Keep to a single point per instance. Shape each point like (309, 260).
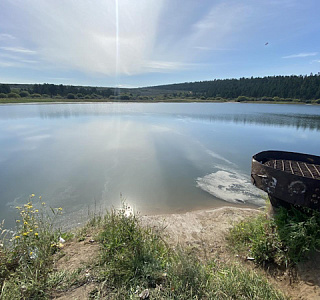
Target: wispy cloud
(9, 64)
(84, 37)
(18, 50)
(6, 36)
(164, 66)
(301, 55)
(212, 48)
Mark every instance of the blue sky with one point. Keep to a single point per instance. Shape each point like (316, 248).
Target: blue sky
(134, 43)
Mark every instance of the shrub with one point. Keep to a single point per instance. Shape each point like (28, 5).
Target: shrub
(3, 95)
(299, 229)
(35, 95)
(24, 94)
(242, 98)
(71, 96)
(285, 239)
(13, 95)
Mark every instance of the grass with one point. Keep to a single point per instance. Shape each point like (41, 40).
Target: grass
(284, 240)
(133, 259)
(26, 258)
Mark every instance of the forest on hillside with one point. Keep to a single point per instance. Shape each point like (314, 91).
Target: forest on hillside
(294, 87)
(272, 88)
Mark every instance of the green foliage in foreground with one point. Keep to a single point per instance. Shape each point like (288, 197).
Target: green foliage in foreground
(135, 258)
(27, 260)
(285, 239)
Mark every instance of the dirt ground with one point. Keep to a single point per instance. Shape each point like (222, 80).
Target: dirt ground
(204, 232)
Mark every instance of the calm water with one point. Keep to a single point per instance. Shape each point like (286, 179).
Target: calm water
(161, 157)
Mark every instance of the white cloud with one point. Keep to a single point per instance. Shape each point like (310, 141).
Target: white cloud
(222, 20)
(82, 35)
(18, 50)
(301, 55)
(164, 66)
(6, 36)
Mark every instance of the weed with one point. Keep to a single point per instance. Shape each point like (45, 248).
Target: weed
(29, 255)
(135, 258)
(285, 239)
(131, 253)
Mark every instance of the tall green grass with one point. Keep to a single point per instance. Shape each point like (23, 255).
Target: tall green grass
(26, 259)
(284, 239)
(135, 258)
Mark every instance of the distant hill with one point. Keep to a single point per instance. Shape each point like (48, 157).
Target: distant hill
(295, 87)
(271, 88)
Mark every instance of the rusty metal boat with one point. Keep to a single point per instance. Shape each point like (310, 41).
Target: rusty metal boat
(288, 177)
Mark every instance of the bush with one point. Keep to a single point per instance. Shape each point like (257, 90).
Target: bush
(13, 95)
(24, 94)
(285, 239)
(242, 98)
(71, 96)
(299, 229)
(35, 95)
(3, 95)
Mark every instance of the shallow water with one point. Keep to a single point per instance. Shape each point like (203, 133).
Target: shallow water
(162, 157)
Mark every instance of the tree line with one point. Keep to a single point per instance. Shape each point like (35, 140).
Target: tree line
(53, 90)
(294, 87)
(271, 88)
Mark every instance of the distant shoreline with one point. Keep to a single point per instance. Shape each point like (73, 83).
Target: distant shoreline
(4, 101)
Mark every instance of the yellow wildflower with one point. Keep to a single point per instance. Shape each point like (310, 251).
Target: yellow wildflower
(18, 221)
(43, 203)
(25, 233)
(31, 230)
(32, 195)
(36, 233)
(25, 223)
(37, 210)
(60, 208)
(17, 237)
(18, 207)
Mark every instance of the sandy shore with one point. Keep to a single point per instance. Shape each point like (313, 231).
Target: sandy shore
(202, 230)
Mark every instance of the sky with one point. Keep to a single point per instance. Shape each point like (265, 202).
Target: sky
(138, 43)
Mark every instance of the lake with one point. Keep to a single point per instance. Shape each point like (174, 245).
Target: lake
(159, 157)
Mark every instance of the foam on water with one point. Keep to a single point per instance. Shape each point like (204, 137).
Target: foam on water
(231, 186)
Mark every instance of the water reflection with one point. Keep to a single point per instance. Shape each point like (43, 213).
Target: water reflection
(298, 116)
(311, 122)
(161, 157)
